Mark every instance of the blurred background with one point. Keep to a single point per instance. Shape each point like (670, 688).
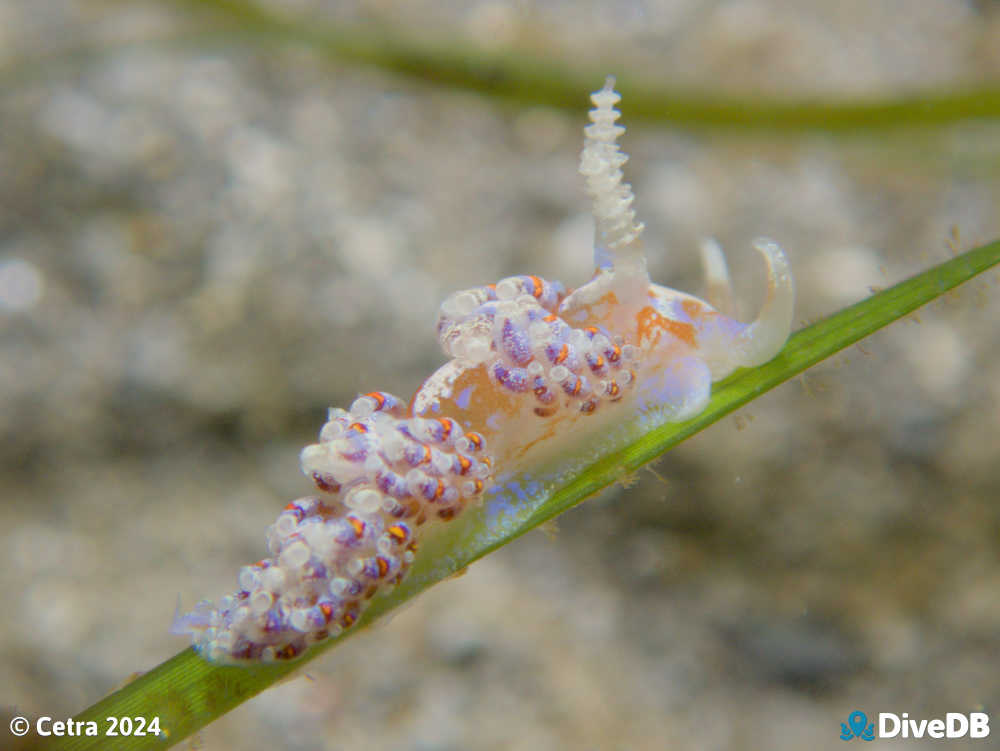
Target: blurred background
(207, 236)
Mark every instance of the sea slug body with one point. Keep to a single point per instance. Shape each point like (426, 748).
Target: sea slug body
(531, 364)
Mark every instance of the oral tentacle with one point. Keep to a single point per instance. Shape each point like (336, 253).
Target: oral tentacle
(766, 335)
(718, 287)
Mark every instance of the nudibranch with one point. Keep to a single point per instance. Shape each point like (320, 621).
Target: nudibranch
(532, 366)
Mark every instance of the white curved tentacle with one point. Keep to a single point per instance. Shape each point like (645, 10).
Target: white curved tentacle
(718, 287)
(763, 339)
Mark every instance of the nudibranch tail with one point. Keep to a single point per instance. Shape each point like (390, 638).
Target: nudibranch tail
(536, 374)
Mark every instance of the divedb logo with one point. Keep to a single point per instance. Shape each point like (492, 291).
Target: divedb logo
(974, 725)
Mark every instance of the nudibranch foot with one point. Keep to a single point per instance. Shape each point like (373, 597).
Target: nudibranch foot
(679, 389)
(540, 381)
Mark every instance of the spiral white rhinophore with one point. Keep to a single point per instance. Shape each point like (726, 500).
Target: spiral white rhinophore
(600, 163)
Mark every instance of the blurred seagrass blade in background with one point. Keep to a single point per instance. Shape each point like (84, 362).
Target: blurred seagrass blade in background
(186, 693)
(527, 79)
